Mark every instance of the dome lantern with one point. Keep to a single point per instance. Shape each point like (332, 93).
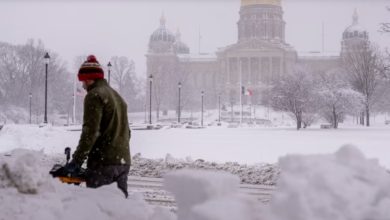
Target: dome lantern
(260, 2)
(355, 31)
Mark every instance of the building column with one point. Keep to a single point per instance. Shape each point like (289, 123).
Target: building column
(259, 78)
(249, 70)
(281, 67)
(271, 69)
(228, 70)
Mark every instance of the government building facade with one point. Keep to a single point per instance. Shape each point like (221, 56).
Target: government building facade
(260, 55)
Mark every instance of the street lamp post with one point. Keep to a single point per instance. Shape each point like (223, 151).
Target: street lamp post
(109, 71)
(219, 108)
(150, 98)
(47, 59)
(30, 98)
(179, 107)
(201, 122)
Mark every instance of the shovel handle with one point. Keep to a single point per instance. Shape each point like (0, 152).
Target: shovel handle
(67, 153)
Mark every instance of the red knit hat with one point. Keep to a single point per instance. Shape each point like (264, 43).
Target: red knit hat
(90, 69)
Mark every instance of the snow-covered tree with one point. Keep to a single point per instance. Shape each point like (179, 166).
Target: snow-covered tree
(364, 73)
(336, 98)
(22, 71)
(294, 93)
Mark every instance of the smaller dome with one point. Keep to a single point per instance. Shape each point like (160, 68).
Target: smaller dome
(162, 33)
(180, 47)
(355, 30)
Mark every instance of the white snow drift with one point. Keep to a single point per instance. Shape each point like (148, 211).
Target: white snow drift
(344, 185)
(341, 186)
(28, 192)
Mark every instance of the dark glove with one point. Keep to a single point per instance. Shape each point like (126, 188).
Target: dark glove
(72, 167)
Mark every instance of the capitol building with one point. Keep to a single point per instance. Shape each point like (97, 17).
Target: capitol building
(260, 55)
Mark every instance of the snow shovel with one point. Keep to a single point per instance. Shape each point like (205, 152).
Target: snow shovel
(66, 175)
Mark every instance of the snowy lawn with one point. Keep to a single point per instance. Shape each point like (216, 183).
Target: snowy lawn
(258, 145)
(342, 184)
(243, 145)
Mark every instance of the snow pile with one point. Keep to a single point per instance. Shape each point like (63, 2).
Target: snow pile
(344, 185)
(23, 172)
(265, 174)
(28, 192)
(209, 195)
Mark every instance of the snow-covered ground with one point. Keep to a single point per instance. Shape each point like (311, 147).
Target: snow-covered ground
(342, 185)
(317, 180)
(219, 144)
(256, 145)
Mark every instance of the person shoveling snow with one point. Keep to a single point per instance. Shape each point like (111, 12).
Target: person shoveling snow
(105, 135)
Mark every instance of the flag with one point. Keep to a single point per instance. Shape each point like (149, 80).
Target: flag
(248, 92)
(245, 91)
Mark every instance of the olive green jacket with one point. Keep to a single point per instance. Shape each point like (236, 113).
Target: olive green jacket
(106, 134)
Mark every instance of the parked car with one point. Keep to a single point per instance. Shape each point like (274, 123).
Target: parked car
(387, 122)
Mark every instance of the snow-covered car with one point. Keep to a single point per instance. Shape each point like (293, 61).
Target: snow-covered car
(387, 122)
(176, 125)
(233, 125)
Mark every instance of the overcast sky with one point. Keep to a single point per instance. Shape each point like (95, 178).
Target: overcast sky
(109, 28)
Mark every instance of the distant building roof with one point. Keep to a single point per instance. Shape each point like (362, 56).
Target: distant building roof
(318, 55)
(202, 57)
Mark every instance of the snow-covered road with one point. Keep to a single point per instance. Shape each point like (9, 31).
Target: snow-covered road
(152, 189)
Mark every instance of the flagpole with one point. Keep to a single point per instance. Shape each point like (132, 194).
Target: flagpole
(240, 72)
(250, 110)
(199, 38)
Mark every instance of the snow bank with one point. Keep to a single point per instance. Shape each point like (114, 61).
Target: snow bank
(28, 192)
(265, 174)
(209, 195)
(22, 171)
(343, 185)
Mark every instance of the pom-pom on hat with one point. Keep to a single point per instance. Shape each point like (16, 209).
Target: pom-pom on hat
(90, 69)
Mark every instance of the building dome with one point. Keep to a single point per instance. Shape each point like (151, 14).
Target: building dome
(260, 2)
(180, 47)
(261, 20)
(162, 33)
(162, 39)
(355, 30)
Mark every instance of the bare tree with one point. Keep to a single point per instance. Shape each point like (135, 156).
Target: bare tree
(22, 72)
(385, 26)
(122, 70)
(363, 67)
(164, 83)
(125, 80)
(294, 93)
(386, 66)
